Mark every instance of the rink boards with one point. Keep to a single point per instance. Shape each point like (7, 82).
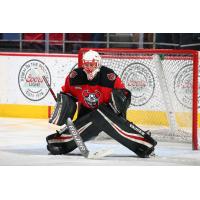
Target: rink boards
(24, 94)
(43, 112)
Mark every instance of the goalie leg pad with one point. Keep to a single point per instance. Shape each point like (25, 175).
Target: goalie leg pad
(62, 144)
(104, 119)
(56, 143)
(65, 107)
(125, 132)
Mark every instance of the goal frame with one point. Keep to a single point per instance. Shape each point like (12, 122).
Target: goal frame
(195, 58)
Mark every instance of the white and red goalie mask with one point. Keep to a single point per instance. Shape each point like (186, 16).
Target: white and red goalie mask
(91, 64)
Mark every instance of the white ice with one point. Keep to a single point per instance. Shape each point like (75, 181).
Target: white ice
(22, 143)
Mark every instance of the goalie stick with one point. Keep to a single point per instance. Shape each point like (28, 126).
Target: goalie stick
(50, 89)
(81, 145)
(74, 132)
(49, 86)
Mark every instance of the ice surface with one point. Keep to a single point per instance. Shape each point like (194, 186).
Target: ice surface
(22, 143)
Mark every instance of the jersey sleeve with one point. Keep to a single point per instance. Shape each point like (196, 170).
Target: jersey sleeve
(119, 84)
(66, 87)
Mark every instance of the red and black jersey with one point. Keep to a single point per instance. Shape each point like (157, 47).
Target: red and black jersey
(92, 93)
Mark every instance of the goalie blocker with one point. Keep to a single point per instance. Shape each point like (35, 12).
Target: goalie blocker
(65, 107)
(104, 119)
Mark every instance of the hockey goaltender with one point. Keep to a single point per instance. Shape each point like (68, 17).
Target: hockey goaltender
(102, 102)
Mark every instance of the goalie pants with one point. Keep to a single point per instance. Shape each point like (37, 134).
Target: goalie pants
(104, 119)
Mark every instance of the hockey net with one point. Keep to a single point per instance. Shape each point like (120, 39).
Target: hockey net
(164, 87)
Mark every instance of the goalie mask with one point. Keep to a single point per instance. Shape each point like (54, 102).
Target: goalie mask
(91, 64)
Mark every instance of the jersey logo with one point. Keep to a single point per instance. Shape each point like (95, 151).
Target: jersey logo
(91, 99)
(73, 74)
(111, 76)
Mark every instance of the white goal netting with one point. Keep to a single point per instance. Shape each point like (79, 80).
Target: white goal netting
(162, 87)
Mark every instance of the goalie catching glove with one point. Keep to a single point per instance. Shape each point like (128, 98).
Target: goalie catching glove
(65, 107)
(120, 101)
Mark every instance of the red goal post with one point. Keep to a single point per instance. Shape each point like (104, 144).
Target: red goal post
(135, 66)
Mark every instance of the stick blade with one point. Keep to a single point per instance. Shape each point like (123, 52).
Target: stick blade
(100, 154)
